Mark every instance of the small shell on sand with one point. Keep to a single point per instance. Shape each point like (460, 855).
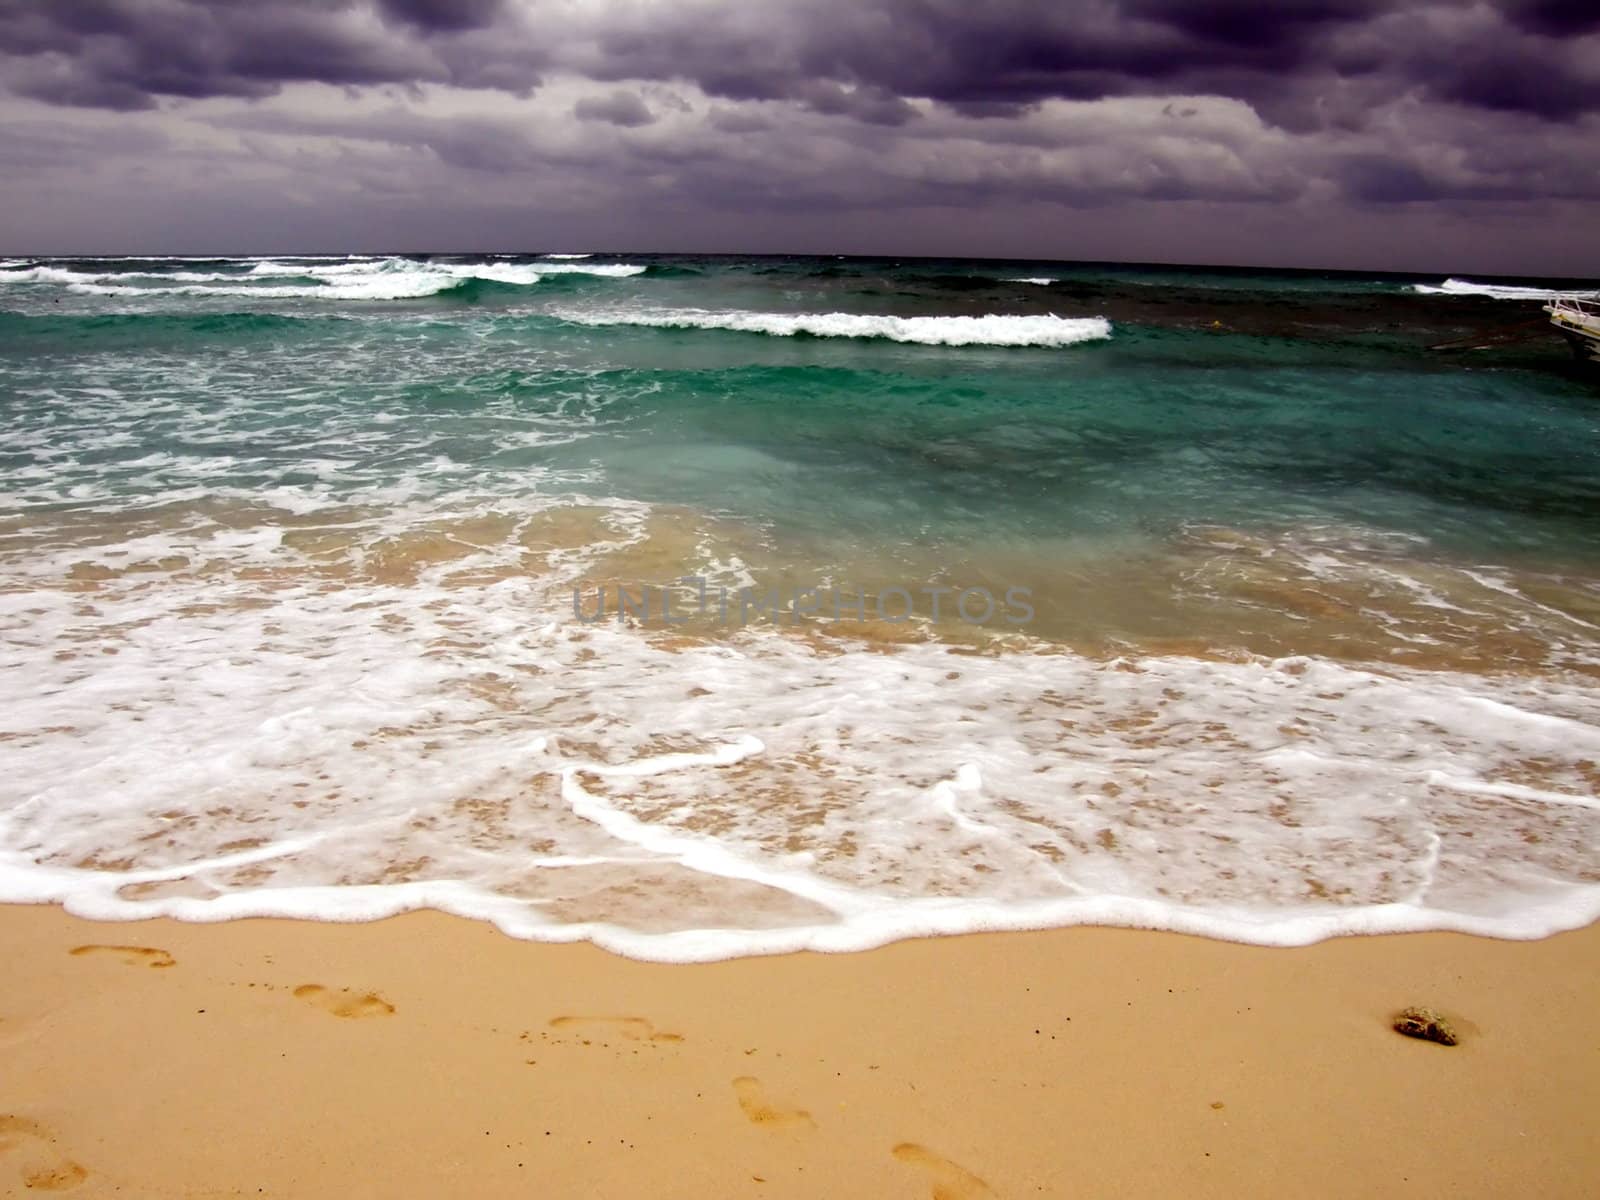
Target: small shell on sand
(1426, 1024)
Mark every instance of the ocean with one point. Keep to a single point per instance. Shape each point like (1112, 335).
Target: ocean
(709, 606)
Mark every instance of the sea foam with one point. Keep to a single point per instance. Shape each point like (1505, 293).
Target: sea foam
(410, 286)
(368, 278)
(1497, 291)
(1018, 792)
(928, 331)
(46, 275)
(347, 747)
(613, 270)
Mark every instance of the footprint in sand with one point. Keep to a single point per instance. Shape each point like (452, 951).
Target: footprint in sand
(753, 1100)
(133, 956)
(950, 1181)
(342, 1002)
(635, 1029)
(29, 1147)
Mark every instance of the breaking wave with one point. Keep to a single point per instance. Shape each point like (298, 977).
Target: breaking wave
(929, 331)
(1498, 291)
(395, 287)
(339, 279)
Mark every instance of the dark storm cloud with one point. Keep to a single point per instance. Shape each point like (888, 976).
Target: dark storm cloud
(849, 58)
(443, 14)
(740, 108)
(735, 120)
(871, 105)
(1375, 179)
(1479, 66)
(1555, 18)
(125, 53)
(625, 109)
(1014, 50)
(1000, 56)
(1248, 25)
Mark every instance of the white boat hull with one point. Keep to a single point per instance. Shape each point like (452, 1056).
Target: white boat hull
(1579, 323)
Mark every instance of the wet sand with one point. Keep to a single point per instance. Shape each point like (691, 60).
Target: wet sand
(429, 1056)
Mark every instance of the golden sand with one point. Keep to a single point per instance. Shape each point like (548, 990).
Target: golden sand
(425, 1056)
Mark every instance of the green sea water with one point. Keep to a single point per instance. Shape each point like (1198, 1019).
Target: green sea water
(1165, 422)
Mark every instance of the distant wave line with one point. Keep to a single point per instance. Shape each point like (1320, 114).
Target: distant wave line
(991, 330)
(1498, 291)
(388, 279)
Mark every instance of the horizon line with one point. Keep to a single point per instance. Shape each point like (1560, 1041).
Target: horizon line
(1077, 262)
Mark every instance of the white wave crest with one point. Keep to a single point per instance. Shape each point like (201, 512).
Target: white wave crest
(364, 266)
(929, 331)
(351, 279)
(1497, 291)
(567, 256)
(45, 275)
(496, 272)
(1036, 280)
(395, 287)
(611, 270)
(149, 281)
(176, 276)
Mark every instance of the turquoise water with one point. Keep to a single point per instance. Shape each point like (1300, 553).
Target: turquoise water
(881, 442)
(381, 476)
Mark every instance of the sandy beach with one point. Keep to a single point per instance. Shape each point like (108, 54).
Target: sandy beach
(429, 1056)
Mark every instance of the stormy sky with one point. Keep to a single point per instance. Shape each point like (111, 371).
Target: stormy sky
(1443, 136)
